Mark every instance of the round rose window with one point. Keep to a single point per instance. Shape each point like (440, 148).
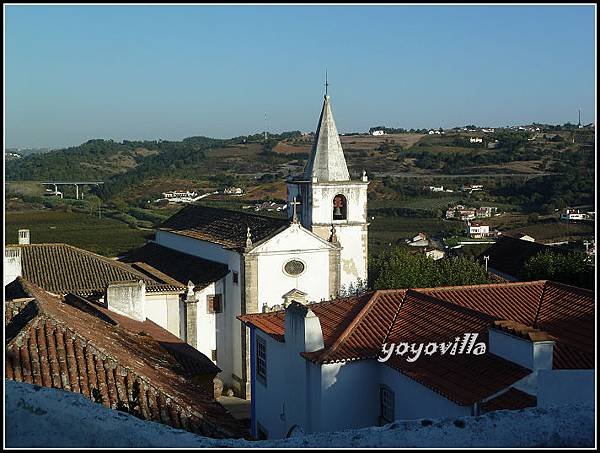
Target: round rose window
(294, 267)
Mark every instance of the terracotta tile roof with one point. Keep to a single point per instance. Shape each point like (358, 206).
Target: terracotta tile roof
(512, 399)
(515, 301)
(464, 379)
(523, 331)
(334, 317)
(52, 344)
(164, 264)
(222, 226)
(192, 360)
(564, 312)
(63, 268)
(441, 314)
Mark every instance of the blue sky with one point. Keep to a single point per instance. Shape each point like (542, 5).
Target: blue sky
(146, 72)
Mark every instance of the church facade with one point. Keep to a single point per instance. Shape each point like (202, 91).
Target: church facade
(318, 250)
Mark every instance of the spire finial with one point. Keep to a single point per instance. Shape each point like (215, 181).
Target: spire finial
(326, 84)
(248, 237)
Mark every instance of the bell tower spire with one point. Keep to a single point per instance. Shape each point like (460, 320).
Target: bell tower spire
(326, 201)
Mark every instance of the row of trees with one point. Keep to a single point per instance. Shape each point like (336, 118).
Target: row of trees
(399, 268)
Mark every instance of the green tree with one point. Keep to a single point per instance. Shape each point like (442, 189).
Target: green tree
(571, 268)
(399, 268)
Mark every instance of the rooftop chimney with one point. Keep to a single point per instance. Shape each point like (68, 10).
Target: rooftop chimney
(127, 298)
(302, 328)
(12, 264)
(521, 344)
(23, 237)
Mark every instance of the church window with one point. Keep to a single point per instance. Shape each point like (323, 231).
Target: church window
(339, 207)
(261, 359)
(294, 268)
(235, 277)
(214, 303)
(386, 400)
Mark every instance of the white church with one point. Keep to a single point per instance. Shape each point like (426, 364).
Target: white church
(207, 266)
(319, 249)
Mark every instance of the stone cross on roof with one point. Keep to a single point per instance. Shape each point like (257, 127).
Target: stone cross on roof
(294, 203)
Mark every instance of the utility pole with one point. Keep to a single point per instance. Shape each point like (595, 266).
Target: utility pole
(486, 258)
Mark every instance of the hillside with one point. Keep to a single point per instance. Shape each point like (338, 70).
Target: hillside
(44, 417)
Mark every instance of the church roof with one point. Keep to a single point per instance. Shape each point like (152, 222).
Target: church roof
(63, 268)
(356, 328)
(53, 344)
(222, 226)
(327, 161)
(162, 263)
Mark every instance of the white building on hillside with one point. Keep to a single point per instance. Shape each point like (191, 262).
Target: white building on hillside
(477, 230)
(573, 214)
(378, 132)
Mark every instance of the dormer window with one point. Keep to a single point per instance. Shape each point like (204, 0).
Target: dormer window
(339, 207)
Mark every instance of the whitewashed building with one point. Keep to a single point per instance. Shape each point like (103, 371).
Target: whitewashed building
(573, 214)
(477, 230)
(344, 364)
(319, 249)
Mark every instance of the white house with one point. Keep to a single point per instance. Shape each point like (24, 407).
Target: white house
(434, 188)
(477, 230)
(378, 132)
(475, 140)
(573, 214)
(409, 354)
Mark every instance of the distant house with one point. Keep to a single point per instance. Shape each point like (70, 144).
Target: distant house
(378, 132)
(573, 214)
(233, 191)
(485, 211)
(472, 187)
(477, 230)
(488, 130)
(475, 140)
(434, 188)
(461, 213)
(340, 364)
(434, 253)
(419, 237)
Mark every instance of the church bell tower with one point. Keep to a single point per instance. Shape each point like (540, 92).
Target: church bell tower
(329, 203)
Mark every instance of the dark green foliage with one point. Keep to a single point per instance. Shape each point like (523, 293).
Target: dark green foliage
(399, 268)
(571, 268)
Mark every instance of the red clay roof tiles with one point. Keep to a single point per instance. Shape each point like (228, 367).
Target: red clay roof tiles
(63, 268)
(441, 314)
(512, 399)
(52, 344)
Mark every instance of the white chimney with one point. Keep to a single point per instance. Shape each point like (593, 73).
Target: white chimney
(23, 237)
(521, 344)
(302, 328)
(127, 298)
(12, 264)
